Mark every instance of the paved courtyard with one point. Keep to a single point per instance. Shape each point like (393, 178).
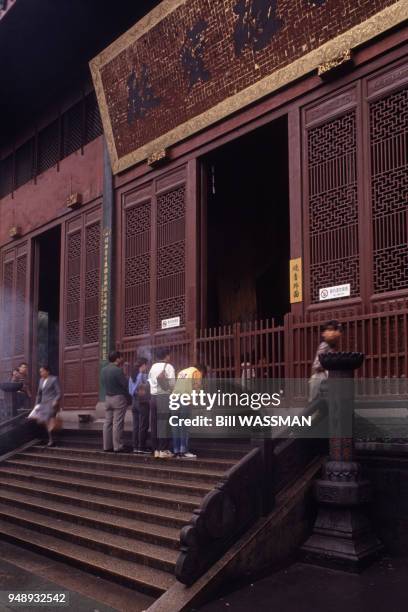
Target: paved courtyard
(305, 588)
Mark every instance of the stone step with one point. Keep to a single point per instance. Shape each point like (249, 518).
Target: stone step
(124, 548)
(110, 490)
(138, 511)
(199, 464)
(97, 474)
(163, 468)
(116, 515)
(231, 452)
(126, 527)
(136, 575)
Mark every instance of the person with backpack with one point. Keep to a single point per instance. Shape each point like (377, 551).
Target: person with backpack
(139, 391)
(162, 378)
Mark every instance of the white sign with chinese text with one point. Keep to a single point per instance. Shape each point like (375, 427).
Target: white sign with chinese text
(331, 293)
(173, 322)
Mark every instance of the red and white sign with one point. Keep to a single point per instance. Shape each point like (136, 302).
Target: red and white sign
(332, 293)
(173, 322)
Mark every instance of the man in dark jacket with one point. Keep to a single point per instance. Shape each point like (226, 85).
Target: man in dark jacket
(20, 374)
(116, 401)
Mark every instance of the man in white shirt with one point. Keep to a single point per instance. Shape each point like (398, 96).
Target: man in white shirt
(162, 378)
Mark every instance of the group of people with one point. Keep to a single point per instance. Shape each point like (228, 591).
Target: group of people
(47, 399)
(147, 390)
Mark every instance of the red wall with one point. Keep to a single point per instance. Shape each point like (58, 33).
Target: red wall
(34, 205)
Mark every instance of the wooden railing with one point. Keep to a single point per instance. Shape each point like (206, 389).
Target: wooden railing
(262, 349)
(243, 350)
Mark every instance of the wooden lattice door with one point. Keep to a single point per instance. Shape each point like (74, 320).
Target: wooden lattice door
(332, 193)
(137, 244)
(158, 279)
(171, 256)
(80, 310)
(387, 100)
(15, 288)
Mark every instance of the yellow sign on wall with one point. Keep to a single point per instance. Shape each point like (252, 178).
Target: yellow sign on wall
(295, 280)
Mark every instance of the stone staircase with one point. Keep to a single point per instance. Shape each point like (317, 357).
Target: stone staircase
(117, 516)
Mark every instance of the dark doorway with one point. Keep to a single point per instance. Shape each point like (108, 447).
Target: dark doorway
(48, 259)
(247, 228)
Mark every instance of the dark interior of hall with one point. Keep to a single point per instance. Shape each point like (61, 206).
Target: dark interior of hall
(248, 245)
(49, 258)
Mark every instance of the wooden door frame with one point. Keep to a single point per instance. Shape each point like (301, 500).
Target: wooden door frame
(202, 244)
(294, 200)
(35, 285)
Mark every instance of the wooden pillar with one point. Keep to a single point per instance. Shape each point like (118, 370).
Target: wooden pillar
(107, 290)
(295, 194)
(191, 234)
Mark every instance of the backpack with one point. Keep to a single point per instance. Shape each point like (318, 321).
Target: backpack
(162, 380)
(143, 392)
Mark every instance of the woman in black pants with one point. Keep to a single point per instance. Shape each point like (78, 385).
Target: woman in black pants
(139, 392)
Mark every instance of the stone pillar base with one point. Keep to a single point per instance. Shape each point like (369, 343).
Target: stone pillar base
(342, 537)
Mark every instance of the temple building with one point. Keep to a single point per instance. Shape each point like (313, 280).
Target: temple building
(217, 177)
(220, 178)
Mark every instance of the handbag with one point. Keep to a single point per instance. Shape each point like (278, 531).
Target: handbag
(162, 380)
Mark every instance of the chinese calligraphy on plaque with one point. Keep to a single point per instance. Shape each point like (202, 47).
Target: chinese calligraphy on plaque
(190, 63)
(192, 54)
(141, 97)
(104, 308)
(295, 280)
(256, 25)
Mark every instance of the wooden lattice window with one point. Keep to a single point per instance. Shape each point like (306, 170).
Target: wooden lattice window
(49, 146)
(73, 296)
(93, 121)
(170, 266)
(25, 163)
(333, 204)
(72, 129)
(92, 283)
(137, 269)
(389, 190)
(6, 175)
(78, 126)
